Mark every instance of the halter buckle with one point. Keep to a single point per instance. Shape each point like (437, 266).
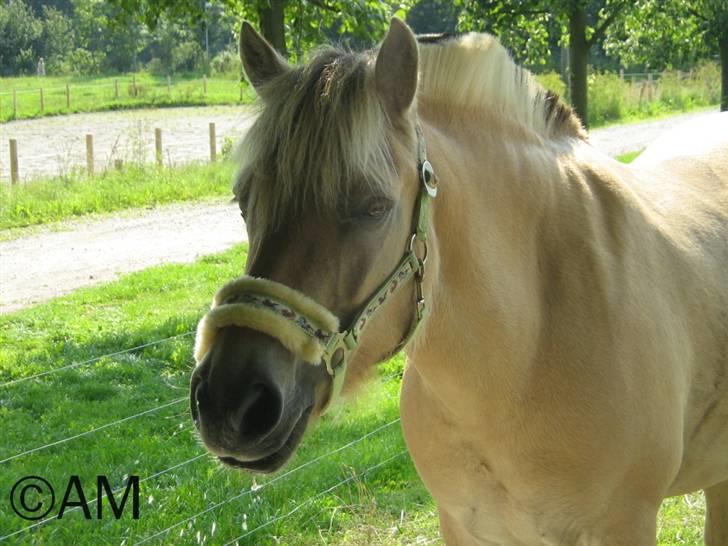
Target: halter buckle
(427, 176)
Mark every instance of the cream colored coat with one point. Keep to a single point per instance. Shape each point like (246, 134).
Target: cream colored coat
(591, 377)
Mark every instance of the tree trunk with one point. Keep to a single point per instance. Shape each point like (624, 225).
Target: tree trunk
(578, 56)
(272, 24)
(723, 45)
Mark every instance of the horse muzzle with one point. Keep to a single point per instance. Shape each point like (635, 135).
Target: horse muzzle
(251, 399)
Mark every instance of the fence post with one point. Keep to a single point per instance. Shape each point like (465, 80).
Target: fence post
(241, 91)
(204, 84)
(15, 104)
(68, 97)
(42, 101)
(213, 143)
(158, 145)
(133, 85)
(169, 85)
(90, 154)
(621, 74)
(14, 161)
(116, 89)
(118, 164)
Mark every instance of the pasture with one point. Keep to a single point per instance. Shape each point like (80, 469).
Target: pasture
(127, 91)
(58, 198)
(612, 99)
(96, 384)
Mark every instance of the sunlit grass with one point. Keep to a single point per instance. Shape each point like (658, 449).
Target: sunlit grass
(96, 93)
(53, 199)
(388, 506)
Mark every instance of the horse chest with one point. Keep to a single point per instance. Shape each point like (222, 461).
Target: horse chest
(459, 476)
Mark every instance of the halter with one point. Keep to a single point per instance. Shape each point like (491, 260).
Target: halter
(305, 327)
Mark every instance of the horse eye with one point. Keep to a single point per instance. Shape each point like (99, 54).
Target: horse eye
(377, 207)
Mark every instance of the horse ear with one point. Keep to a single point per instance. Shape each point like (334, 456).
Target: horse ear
(261, 62)
(396, 68)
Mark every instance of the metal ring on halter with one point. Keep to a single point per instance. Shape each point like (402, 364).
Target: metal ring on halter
(427, 175)
(414, 238)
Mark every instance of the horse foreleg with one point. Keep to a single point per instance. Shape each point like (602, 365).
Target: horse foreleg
(716, 515)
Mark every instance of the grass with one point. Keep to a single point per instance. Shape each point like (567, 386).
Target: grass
(98, 93)
(629, 157)
(53, 199)
(611, 99)
(614, 100)
(386, 506)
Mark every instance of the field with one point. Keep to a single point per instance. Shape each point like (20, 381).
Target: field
(611, 99)
(48, 200)
(90, 94)
(96, 384)
(616, 100)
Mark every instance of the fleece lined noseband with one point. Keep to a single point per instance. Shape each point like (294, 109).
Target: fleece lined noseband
(306, 328)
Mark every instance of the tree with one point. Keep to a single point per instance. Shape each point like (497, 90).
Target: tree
(20, 35)
(289, 25)
(524, 26)
(666, 32)
(433, 16)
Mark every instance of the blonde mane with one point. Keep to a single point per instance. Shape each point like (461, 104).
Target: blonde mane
(322, 132)
(474, 71)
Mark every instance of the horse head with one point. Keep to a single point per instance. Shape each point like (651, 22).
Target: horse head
(333, 187)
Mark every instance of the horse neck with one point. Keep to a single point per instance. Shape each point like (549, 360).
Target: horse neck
(503, 192)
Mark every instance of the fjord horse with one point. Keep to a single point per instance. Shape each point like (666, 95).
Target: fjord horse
(565, 316)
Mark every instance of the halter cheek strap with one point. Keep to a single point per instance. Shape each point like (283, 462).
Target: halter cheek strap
(306, 328)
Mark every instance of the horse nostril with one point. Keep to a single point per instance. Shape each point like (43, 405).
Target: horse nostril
(260, 410)
(201, 393)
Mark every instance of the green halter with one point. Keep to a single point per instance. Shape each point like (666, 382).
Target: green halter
(306, 328)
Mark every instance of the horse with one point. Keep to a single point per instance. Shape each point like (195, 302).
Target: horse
(564, 316)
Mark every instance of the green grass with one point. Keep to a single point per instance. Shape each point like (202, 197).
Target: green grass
(384, 507)
(49, 200)
(97, 93)
(613, 100)
(629, 157)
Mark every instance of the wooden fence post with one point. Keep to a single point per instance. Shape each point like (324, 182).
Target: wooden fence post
(204, 84)
(116, 89)
(42, 101)
(15, 104)
(213, 143)
(90, 154)
(14, 177)
(169, 85)
(241, 91)
(158, 145)
(68, 97)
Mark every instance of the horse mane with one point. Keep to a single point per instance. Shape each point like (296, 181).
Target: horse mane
(475, 72)
(321, 133)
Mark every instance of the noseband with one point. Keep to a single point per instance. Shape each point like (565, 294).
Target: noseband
(306, 328)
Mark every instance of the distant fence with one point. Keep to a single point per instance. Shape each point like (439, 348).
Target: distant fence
(40, 99)
(15, 167)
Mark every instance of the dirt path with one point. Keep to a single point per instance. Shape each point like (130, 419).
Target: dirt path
(48, 264)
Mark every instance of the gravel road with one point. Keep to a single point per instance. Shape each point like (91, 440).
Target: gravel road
(44, 265)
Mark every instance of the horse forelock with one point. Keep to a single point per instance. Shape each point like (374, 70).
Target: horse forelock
(321, 134)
